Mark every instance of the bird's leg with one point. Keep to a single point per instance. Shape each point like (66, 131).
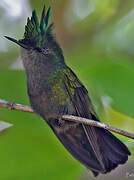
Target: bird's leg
(59, 124)
(62, 111)
(62, 123)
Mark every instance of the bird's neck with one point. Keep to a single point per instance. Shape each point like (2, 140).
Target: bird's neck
(38, 69)
(37, 77)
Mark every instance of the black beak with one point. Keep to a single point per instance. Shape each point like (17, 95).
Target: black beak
(17, 42)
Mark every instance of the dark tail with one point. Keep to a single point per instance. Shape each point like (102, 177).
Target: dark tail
(113, 150)
(96, 148)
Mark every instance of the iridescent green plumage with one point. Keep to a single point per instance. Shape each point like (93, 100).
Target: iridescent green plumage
(34, 29)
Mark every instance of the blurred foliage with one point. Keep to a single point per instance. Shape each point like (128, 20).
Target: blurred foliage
(98, 43)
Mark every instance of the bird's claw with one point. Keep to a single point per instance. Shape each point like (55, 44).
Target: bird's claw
(60, 121)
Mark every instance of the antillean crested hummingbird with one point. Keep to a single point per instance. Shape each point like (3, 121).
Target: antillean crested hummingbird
(54, 90)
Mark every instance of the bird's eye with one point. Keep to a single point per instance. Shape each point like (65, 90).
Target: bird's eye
(46, 51)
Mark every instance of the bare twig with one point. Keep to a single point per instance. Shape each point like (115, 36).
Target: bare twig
(14, 106)
(90, 122)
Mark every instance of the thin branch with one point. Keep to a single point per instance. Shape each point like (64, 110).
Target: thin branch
(14, 106)
(90, 122)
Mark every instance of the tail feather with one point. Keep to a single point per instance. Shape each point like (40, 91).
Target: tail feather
(112, 151)
(111, 140)
(115, 152)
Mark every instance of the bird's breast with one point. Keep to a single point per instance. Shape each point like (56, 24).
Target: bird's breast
(50, 99)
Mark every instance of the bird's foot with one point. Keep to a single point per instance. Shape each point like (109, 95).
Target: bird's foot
(62, 111)
(60, 121)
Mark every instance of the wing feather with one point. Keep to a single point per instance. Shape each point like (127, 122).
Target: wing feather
(103, 146)
(82, 103)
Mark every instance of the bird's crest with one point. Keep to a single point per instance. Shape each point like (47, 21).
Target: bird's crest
(34, 29)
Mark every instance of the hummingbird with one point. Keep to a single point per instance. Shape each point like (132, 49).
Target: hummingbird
(55, 90)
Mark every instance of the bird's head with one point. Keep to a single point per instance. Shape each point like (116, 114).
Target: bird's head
(38, 38)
